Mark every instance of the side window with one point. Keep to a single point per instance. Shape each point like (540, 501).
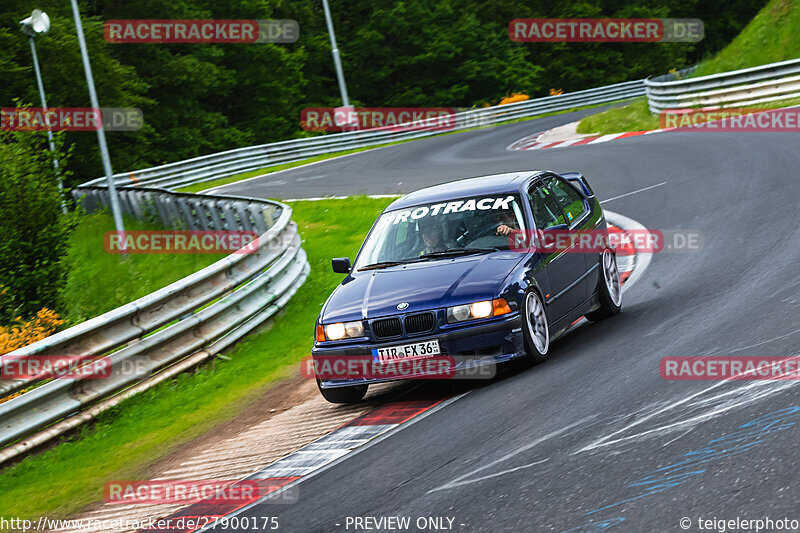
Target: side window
(546, 212)
(568, 198)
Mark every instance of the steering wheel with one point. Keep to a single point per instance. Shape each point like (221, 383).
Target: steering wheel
(467, 237)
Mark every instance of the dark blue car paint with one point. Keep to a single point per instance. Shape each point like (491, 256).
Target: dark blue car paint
(566, 281)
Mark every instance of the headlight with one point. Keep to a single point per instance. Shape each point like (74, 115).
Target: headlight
(484, 309)
(343, 330)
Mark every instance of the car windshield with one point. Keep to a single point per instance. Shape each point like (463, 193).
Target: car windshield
(443, 229)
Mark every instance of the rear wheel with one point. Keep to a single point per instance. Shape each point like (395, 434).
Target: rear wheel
(535, 329)
(609, 288)
(352, 394)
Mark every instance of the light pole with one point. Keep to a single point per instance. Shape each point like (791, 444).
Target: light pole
(337, 63)
(38, 23)
(101, 134)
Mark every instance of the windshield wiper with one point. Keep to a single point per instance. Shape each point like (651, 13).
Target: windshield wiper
(382, 264)
(431, 255)
(458, 251)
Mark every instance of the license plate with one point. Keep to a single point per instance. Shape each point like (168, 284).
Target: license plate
(406, 351)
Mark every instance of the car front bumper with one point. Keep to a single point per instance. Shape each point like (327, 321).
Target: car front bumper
(469, 346)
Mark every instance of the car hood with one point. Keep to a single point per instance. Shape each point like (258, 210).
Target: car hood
(424, 285)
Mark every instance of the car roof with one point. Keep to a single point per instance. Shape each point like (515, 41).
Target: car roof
(506, 183)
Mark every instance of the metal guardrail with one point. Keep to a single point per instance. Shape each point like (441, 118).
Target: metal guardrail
(232, 162)
(189, 320)
(746, 87)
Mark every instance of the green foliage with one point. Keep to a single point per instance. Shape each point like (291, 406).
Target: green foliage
(99, 281)
(202, 98)
(33, 231)
(118, 85)
(635, 116)
(770, 37)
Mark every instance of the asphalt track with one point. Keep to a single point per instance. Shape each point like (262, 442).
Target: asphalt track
(595, 439)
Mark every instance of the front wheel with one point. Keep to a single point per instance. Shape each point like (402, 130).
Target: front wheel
(609, 287)
(535, 329)
(352, 394)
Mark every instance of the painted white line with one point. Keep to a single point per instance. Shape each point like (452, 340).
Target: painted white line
(455, 484)
(759, 343)
(374, 441)
(522, 144)
(309, 178)
(642, 259)
(566, 143)
(294, 168)
(320, 198)
(315, 199)
(633, 192)
(460, 480)
(740, 396)
(605, 138)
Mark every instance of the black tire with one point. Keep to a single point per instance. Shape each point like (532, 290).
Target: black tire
(605, 286)
(353, 394)
(534, 354)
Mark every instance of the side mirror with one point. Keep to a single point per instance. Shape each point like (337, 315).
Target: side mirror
(341, 265)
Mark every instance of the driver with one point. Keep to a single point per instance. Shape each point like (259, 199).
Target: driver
(507, 222)
(433, 236)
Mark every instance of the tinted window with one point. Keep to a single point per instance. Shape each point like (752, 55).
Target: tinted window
(546, 212)
(406, 234)
(568, 198)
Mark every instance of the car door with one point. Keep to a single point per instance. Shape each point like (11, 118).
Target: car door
(578, 214)
(565, 265)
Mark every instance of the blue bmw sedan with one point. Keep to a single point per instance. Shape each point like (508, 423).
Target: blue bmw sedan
(473, 272)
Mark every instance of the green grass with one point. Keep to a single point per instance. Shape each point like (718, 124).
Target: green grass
(637, 117)
(770, 37)
(207, 185)
(99, 281)
(632, 117)
(124, 441)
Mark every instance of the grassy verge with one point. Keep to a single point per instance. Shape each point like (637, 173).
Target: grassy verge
(633, 117)
(770, 37)
(197, 187)
(637, 117)
(124, 441)
(99, 281)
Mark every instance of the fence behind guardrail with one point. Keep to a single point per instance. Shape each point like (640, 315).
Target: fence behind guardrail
(169, 330)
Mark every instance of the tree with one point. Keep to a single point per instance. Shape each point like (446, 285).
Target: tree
(33, 230)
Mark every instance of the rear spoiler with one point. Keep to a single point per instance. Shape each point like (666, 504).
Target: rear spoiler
(577, 180)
